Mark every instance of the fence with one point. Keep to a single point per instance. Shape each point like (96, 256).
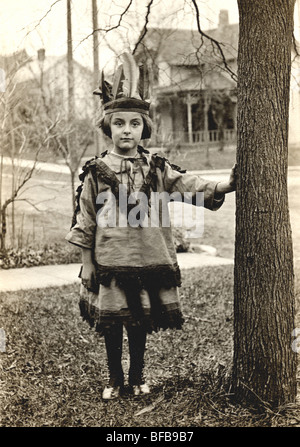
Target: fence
(202, 137)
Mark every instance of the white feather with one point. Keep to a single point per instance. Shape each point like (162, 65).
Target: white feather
(131, 73)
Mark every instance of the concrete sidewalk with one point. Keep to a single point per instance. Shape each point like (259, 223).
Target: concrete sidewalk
(59, 275)
(61, 168)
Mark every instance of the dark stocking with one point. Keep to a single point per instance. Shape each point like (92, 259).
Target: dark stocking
(137, 343)
(113, 342)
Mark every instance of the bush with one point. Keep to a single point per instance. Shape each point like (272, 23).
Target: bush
(63, 253)
(32, 256)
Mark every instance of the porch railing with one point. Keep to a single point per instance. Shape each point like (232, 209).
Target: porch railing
(201, 137)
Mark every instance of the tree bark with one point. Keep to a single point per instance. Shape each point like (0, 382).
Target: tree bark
(72, 175)
(71, 140)
(96, 67)
(264, 364)
(71, 101)
(13, 180)
(3, 229)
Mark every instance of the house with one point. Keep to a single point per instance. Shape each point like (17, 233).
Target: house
(195, 99)
(37, 98)
(48, 75)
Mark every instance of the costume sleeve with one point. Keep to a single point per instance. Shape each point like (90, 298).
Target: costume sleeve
(175, 181)
(83, 232)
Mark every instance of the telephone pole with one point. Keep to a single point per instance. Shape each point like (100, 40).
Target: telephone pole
(96, 69)
(70, 64)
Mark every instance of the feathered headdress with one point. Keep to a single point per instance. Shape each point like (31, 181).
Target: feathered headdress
(130, 89)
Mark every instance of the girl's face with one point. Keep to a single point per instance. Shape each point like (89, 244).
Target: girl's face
(126, 132)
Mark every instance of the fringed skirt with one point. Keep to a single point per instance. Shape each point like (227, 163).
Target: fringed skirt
(146, 297)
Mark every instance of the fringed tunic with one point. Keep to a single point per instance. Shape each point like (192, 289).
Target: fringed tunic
(137, 270)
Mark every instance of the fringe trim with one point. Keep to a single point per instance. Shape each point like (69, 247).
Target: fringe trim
(162, 276)
(170, 317)
(109, 177)
(132, 280)
(97, 166)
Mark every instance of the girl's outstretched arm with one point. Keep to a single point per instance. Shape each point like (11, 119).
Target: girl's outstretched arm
(214, 192)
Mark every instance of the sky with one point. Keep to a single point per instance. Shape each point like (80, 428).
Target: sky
(34, 24)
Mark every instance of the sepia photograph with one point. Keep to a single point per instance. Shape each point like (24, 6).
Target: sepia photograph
(149, 216)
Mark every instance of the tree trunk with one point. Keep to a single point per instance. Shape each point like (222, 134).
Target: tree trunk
(71, 140)
(96, 67)
(72, 174)
(71, 101)
(13, 154)
(264, 364)
(3, 229)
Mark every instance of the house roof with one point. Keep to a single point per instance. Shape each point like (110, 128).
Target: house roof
(10, 60)
(196, 83)
(11, 63)
(188, 47)
(32, 70)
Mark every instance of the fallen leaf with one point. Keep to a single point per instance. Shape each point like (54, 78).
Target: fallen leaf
(149, 407)
(13, 365)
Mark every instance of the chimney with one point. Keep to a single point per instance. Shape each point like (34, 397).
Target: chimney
(223, 18)
(41, 54)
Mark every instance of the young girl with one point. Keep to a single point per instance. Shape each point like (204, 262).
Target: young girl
(130, 276)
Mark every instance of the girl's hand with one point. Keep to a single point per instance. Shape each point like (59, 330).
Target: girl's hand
(225, 187)
(233, 177)
(88, 276)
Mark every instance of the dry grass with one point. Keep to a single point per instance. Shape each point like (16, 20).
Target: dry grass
(54, 366)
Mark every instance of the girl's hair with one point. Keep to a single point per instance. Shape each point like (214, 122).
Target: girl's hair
(104, 124)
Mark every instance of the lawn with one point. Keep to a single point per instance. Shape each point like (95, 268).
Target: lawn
(54, 368)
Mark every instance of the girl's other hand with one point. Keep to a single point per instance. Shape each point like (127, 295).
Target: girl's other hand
(88, 276)
(230, 185)
(233, 177)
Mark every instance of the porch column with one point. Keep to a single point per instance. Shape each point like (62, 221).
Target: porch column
(189, 117)
(206, 107)
(154, 136)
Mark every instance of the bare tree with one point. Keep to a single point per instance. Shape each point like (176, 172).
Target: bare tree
(71, 135)
(19, 131)
(264, 368)
(71, 141)
(9, 102)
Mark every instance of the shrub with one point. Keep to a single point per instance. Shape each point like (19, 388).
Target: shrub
(32, 256)
(63, 253)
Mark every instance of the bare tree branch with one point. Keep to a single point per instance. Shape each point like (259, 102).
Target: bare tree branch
(106, 30)
(40, 185)
(34, 205)
(30, 172)
(29, 203)
(84, 149)
(44, 16)
(215, 43)
(145, 29)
